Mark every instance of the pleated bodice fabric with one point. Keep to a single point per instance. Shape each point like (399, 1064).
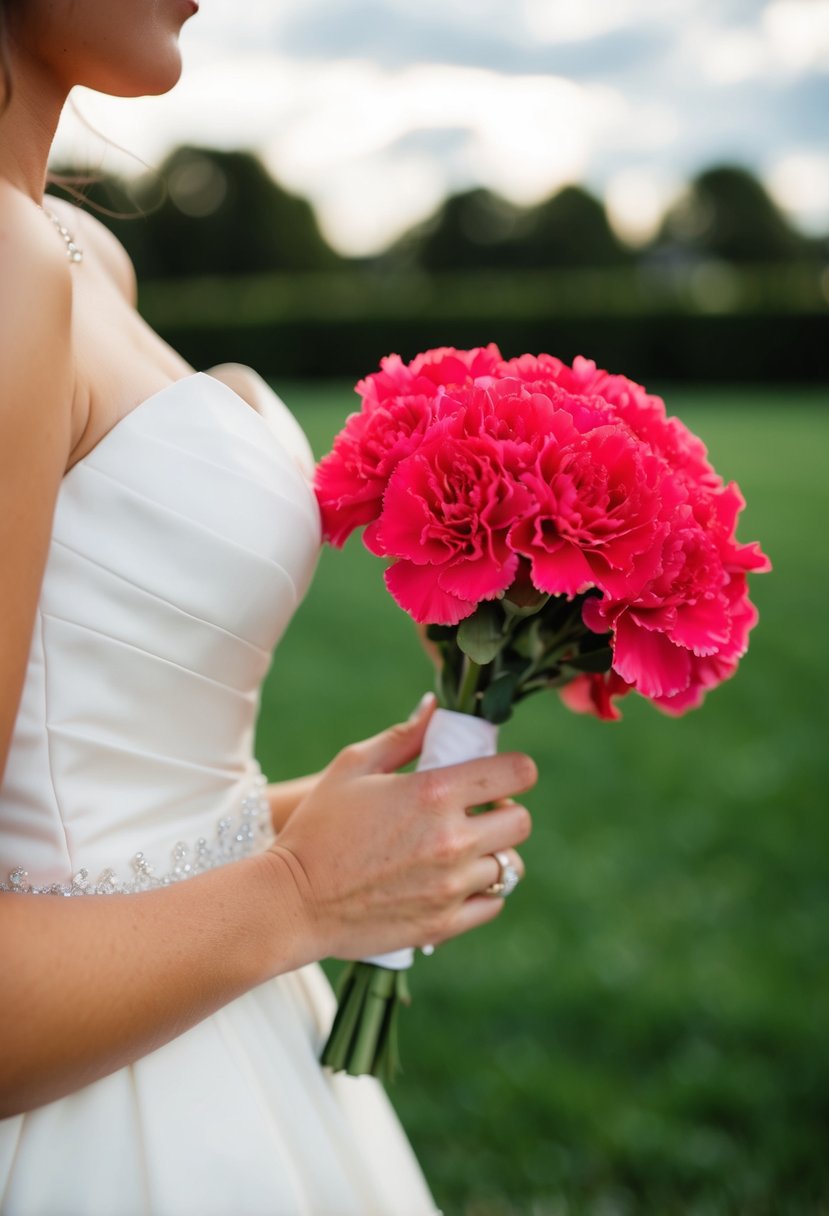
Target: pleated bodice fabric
(182, 545)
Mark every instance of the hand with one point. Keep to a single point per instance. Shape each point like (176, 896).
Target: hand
(284, 797)
(382, 859)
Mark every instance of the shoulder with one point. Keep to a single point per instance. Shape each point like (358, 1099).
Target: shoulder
(35, 280)
(95, 238)
(28, 245)
(35, 319)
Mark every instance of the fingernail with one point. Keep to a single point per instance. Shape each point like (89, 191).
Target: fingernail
(425, 700)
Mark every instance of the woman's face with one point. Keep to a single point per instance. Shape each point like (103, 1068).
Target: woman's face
(128, 48)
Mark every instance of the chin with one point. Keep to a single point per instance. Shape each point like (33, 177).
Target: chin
(145, 80)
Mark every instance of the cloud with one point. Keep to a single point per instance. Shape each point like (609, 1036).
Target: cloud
(799, 183)
(562, 21)
(523, 136)
(397, 37)
(375, 108)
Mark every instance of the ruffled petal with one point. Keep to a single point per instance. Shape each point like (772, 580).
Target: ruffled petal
(416, 590)
(650, 660)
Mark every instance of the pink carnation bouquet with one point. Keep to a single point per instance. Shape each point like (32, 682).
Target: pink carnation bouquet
(553, 528)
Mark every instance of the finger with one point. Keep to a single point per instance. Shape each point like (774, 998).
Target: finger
(484, 871)
(503, 827)
(394, 747)
(476, 782)
(495, 805)
(473, 912)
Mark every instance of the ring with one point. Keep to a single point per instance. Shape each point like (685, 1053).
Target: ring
(507, 880)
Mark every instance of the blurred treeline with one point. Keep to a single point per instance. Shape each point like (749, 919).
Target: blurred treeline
(231, 266)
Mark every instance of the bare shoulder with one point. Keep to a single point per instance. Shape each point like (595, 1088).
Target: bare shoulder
(94, 237)
(35, 298)
(27, 238)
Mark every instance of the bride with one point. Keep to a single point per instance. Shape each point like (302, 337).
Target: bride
(163, 909)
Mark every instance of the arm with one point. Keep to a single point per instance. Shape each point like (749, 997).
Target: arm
(36, 400)
(95, 982)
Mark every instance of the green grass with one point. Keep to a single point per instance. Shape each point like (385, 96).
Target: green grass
(646, 1028)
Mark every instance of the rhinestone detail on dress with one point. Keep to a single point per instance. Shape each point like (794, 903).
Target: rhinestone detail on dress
(235, 837)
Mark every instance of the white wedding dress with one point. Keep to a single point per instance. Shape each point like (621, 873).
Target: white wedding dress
(182, 544)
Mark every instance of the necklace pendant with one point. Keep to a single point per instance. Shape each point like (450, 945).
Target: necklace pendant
(73, 251)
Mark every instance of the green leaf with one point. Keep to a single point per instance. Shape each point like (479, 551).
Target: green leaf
(528, 642)
(480, 636)
(515, 664)
(496, 705)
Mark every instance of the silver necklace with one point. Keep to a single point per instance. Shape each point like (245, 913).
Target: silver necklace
(73, 252)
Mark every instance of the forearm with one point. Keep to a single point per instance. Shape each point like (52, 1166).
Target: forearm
(285, 796)
(92, 983)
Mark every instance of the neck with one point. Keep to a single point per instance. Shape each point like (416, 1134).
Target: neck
(28, 125)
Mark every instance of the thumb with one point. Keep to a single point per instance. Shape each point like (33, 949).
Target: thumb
(397, 745)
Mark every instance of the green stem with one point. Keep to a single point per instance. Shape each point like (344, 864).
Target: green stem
(469, 686)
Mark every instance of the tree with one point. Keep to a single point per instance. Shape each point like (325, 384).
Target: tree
(569, 229)
(206, 212)
(469, 231)
(224, 214)
(478, 230)
(727, 214)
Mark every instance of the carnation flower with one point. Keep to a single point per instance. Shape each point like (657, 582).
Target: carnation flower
(399, 404)
(696, 609)
(640, 410)
(444, 367)
(707, 671)
(446, 514)
(600, 506)
(352, 478)
(595, 693)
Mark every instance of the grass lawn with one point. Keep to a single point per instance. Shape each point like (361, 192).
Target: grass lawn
(646, 1028)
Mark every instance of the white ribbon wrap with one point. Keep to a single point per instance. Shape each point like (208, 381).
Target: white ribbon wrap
(450, 738)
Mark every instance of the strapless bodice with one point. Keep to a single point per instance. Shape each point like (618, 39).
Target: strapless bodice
(181, 546)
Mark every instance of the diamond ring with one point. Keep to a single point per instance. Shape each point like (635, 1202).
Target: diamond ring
(508, 877)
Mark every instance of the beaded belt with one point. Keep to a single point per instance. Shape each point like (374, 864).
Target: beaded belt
(235, 836)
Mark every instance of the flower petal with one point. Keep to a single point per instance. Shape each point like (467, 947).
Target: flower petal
(416, 590)
(649, 660)
(565, 571)
(481, 580)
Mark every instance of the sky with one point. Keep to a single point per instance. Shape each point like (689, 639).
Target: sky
(376, 109)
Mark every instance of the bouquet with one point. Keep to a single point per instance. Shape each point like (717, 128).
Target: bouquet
(552, 528)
